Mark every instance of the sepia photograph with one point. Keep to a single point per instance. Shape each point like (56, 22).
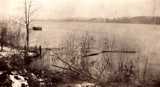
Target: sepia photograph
(79, 43)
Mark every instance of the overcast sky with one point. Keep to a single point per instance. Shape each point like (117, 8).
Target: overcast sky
(83, 8)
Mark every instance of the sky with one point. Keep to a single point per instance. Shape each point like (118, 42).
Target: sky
(51, 9)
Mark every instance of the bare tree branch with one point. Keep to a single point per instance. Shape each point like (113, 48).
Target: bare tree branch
(112, 51)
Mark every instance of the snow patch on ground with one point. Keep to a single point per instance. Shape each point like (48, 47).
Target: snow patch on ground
(87, 84)
(1, 72)
(8, 52)
(6, 48)
(83, 84)
(77, 85)
(18, 81)
(31, 54)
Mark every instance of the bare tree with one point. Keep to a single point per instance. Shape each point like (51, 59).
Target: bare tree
(28, 13)
(27, 8)
(72, 56)
(105, 64)
(86, 46)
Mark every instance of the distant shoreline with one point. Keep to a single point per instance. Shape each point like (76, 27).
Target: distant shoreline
(127, 20)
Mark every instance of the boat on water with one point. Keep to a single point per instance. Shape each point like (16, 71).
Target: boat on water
(37, 28)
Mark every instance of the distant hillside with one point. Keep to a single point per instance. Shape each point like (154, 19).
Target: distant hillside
(137, 19)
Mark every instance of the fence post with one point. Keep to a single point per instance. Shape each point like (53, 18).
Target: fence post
(40, 51)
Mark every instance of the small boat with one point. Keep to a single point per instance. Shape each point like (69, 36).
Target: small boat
(37, 28)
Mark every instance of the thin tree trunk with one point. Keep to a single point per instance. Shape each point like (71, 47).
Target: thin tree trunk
(27, 37)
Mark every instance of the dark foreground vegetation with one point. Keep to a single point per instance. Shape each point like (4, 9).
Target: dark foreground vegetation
(106, 61)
